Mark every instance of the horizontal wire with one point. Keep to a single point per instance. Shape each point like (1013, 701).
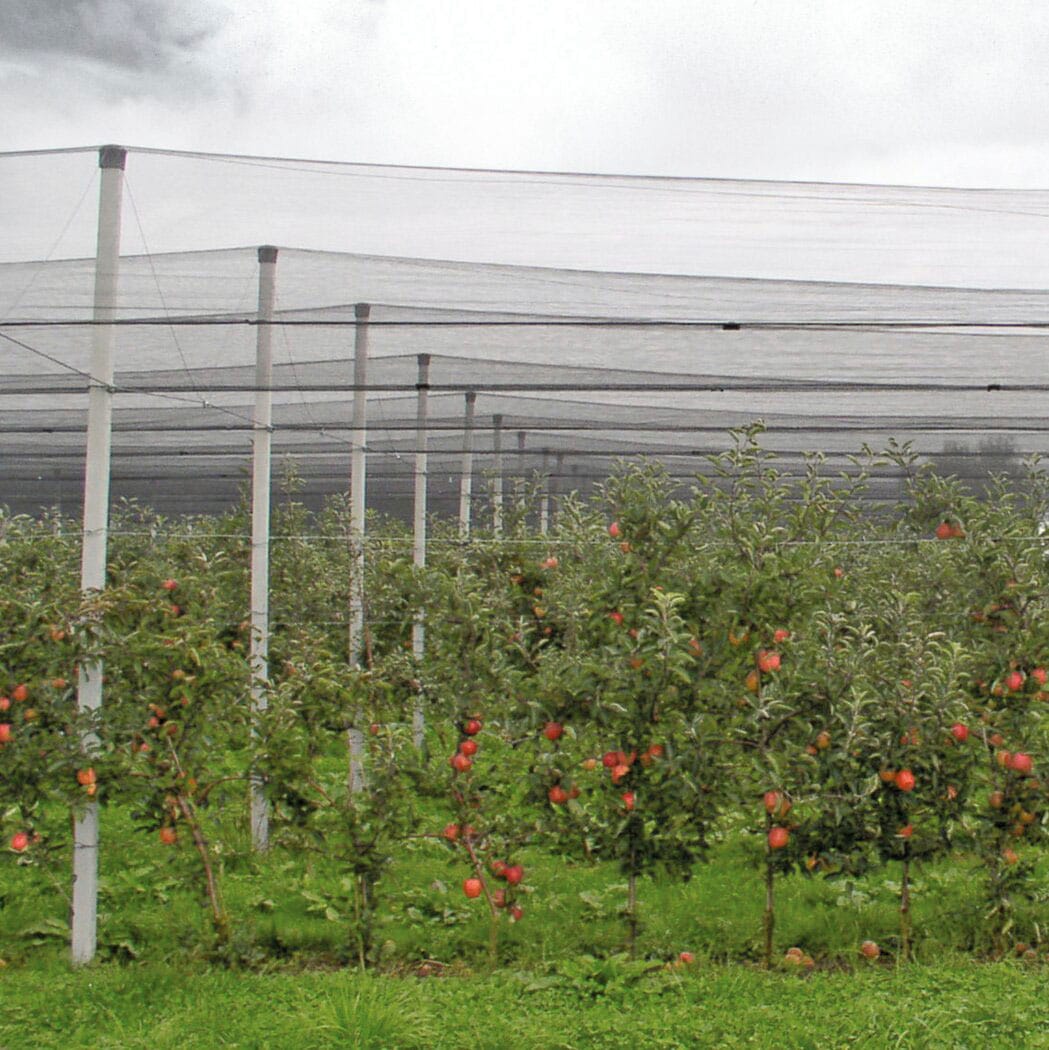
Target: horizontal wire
(533, 426)
(787, 386)
(730, 325)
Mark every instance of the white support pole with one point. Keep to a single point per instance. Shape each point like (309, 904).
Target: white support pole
(262, 438)
(555, 485)
(466, 478)
(111, 160)
(520, 480)
(359, 439)
(419, 534)
(544, 494)
(497, 474)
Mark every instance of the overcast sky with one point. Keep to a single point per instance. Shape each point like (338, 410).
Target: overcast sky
(942, 92)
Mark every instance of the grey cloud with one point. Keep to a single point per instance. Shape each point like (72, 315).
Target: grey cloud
(128, 35)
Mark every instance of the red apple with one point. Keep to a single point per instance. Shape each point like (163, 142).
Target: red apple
(1039, 675)
(944, 531)
(780, 635)
(960, 732)
(168, 835)
(869, 950)
(557, 795)
(5, 703)
(628, 800)
(451, 832)
(6, 733)
(473, 888)
(777, 803)
(613, 530)
(616, 617)
(904, 780)
(516, 913)
(472, 727)
(468, 748)
(778, 838)
(686, 958)
(20, 693)
(553, 730)
(906, 832)
(19, 841)
(768, 661)
(513, 874)
(461, 763)
(1014, 681)
(169, 585)
(1021, 762)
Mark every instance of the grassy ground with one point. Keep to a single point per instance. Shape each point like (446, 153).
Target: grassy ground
(577, 1005)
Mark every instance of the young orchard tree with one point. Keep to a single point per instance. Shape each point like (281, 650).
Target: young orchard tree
(39, 648)
(921, 754)
(176, 715)
(313, 808)
(770, 578)
(802, 731)
(486, 784)
(998, 571)
(655, 774)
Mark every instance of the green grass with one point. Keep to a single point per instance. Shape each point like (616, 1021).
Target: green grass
(160, 1007)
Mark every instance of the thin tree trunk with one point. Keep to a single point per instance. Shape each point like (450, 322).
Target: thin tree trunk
(493, 921)
(770, 913)
(219, 919)
(905, 907)
(769, 920)
(631, 906)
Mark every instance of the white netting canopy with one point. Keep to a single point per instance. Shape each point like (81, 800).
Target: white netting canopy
(594, 317)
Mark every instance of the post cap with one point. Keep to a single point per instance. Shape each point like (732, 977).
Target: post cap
(267, 253)
(112, 157)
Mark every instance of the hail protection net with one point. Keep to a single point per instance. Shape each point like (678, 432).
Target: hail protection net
(595, 319)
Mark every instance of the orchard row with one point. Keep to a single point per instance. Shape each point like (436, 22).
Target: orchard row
(760, 656)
